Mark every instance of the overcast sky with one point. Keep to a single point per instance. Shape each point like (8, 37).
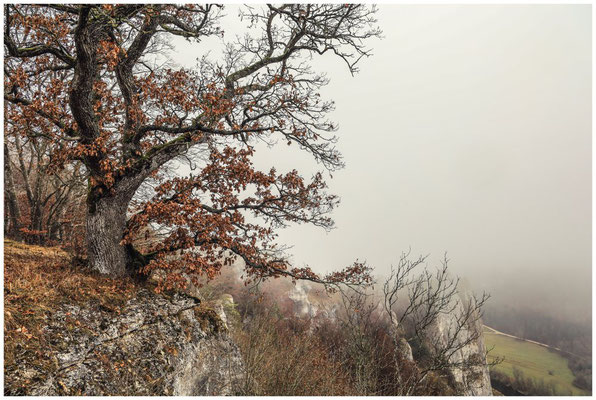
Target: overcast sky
(467, 131)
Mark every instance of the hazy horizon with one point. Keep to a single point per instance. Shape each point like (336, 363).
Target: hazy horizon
(467, 131)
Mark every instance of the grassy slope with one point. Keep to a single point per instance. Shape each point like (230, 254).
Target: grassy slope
(533, 360)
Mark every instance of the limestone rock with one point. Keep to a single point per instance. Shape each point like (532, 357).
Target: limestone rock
(472, 380)
(154, 345)
(405, 350)
(223, 306)
(302, 305)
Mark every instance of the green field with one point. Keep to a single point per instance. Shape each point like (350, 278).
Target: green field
(533, 360)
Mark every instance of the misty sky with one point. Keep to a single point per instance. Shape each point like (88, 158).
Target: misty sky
(467, 131)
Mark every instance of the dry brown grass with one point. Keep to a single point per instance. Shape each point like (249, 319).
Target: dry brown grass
(36, 281)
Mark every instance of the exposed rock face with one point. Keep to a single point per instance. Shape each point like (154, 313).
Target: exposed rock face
(471, 380)
(225, 302)
(316, 308)
(302, 304)
(156, 345)
(405, 350)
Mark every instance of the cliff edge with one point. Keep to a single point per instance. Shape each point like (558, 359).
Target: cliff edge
(103, 337)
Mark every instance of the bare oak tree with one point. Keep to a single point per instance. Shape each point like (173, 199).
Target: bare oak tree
(87, 78)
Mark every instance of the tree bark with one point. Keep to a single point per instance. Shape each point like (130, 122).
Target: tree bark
(12, 228)
(106, 222)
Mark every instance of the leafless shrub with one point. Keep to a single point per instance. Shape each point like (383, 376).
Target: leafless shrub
(282, 359)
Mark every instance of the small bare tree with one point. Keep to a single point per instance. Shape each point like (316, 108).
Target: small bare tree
(360, 323)
(420, 310)
(434, 316)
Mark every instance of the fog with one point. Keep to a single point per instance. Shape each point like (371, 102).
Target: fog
(468, 131)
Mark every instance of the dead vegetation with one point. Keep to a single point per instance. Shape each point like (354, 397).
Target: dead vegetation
(283, 358)
(37, 280)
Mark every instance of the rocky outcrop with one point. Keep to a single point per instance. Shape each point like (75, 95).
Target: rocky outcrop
(302, 306)
(463, 343)
(469, 371)
(405, 350)
(154, 345)
(307, 303)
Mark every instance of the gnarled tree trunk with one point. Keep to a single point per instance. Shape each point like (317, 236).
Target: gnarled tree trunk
(11, 224)
(106, 221)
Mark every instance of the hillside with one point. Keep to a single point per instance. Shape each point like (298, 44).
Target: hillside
(534, 361)
(70, 331)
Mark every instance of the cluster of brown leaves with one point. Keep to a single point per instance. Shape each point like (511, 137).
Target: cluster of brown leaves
(231, 210)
